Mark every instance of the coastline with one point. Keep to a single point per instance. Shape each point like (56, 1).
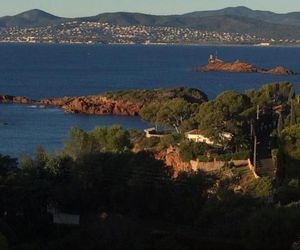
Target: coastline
(156, 44)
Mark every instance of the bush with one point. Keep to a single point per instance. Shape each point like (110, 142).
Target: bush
(149, 143)
(169, 140)
(192, 150)
(261, 187)
(186, 151)
(204, 158)
(243, 155)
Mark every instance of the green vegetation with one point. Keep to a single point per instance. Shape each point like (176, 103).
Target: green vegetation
(157, 96)
(261, 187)
(101, 139)
(190, 151)
(127, 199)
(171, 113)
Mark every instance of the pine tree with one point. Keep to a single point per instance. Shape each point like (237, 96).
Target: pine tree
(291, 94)
(293, 118)
(280, 124)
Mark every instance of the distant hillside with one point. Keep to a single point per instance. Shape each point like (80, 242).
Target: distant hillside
(292, 18)
(235, 19)
(222, 23)
(30, 18)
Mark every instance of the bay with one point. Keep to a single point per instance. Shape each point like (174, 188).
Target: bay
(40, 71)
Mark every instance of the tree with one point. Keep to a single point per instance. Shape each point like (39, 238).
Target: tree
(110, 139)
(293, 118)
(77, 143)
(171, 113)
(226, 113)
(280, 124)
(272, 94)
(149, 113)
(289, 147)
(100, 139)
(290, 142)
(261, 187)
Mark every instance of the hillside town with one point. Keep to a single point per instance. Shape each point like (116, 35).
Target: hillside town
(106, 33)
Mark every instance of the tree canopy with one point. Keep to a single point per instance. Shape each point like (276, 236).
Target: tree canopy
(171, 113)
(100, 139)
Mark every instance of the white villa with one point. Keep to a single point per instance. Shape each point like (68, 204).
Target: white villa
(197, 135)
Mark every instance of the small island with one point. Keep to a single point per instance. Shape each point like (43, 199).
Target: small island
(215, 64)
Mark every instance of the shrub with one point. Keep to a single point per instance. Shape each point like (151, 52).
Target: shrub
(261, 187)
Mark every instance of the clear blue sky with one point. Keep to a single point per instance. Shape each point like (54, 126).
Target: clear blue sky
(72, 8)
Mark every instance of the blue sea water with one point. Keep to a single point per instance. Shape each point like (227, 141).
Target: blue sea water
(39, 71)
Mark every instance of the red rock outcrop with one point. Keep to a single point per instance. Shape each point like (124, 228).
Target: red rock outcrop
(172, 159)
(127, 103)
(94, 105)
(281, 71)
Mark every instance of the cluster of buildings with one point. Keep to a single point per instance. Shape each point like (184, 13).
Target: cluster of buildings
(97, 32)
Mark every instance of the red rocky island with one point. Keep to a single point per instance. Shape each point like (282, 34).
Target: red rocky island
(215, 64)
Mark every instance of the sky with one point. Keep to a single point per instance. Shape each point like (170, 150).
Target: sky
(76, 8)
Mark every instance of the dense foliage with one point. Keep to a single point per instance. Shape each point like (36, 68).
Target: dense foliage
(170, 114)
(157, 96)
(127, 199)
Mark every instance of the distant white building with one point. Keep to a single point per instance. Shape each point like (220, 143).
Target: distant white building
(197, 135)
(152, 132)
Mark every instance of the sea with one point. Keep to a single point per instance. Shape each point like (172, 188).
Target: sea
(46, 70)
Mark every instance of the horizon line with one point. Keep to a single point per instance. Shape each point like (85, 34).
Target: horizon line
(145, 13)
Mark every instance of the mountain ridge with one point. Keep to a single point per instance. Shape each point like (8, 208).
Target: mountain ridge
(232, 19)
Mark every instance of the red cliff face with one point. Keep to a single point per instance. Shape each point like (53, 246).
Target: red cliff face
(242, 67)
(172, 159)
(127, 103)
(95, 105)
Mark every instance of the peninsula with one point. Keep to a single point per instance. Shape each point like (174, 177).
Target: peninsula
(215, 64)
(127, 103)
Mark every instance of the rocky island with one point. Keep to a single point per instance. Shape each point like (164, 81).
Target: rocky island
(16, 99)
(128, 103)
(215, 64)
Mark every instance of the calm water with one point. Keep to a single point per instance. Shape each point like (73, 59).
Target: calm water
(39, 71)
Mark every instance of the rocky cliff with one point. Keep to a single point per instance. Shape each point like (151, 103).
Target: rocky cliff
(242, 67)
(128, 103)
(94, 105)
(172, 159)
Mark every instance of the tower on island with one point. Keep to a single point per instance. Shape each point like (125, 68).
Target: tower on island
(213, 59)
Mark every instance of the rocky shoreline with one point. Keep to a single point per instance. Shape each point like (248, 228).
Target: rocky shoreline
(127, 103)
(92, 105)
(215, 64)
(16, 99)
